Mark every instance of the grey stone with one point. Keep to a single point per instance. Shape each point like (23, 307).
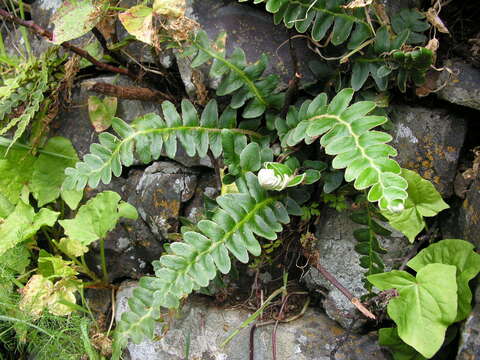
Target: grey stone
(207, 186)
(336, 247)
(428, 141)
(252, 30)
(469, 348)
(463, 86)
(159, 192)
(464, 219)
(43, 10)
(130, 247)
(311, 337)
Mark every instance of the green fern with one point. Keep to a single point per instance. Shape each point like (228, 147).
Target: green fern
(148, 135)
(193, 263)
(320, 16)
(244, 82)
(368, 245)
(345, 132)
(22, 96)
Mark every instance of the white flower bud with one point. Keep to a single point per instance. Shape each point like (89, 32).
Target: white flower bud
(396, 208)
(268, 180)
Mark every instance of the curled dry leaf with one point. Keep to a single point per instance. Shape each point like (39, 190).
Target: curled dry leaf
(170, 8)
(357, 4)
(138, 21)
(101, 112)
(434, 19)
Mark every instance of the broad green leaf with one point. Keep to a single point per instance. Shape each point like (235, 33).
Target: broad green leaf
(6, 207)
(423, 200)
(16, 170)
(75, 18)
(171, 8)
(72, 247)
(138, 21)
(71, 197)
(54, 266)
(388, 337)
(101, 112)
(22, 224)
(49, 171)
(96, 218)
(460, 254)
(16, 259)
(425, 307)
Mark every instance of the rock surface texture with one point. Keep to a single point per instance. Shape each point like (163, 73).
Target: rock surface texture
(470, 336)
(336, 246)
(462, 84)
(312, 337)
(429, 141)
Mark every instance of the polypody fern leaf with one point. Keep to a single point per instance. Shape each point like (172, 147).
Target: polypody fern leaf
(194, 262)
(244, 82)
(320, 16)
(346, 133)
(148, 135)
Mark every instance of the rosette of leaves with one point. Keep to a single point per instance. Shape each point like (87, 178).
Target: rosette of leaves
(345, 132)
(323, 18)
(148, 136)
(194, 262)
(245, 83)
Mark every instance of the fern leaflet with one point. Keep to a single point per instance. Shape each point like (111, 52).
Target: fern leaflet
(148, 136)
(320, 16)
(192, 263)
(244, 82)
(345, 132)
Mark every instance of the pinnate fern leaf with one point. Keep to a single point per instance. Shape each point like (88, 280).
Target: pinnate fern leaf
(194, 262)
(244, 82)
(320, 16)
(148, 135)
(346, 133)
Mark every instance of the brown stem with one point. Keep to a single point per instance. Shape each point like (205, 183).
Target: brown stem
(127, 92)
(101, 39)
(251, 351)
(49, 36)
(313, 260)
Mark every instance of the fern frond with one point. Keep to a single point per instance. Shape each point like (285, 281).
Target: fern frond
(368, 245)
(194, 262)
(244, 82)
(148, 135)
(26, 90)
(346, 133)
(320, 16)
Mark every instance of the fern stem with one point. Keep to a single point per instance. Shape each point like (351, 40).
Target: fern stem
(236, 69)
(7, 143)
